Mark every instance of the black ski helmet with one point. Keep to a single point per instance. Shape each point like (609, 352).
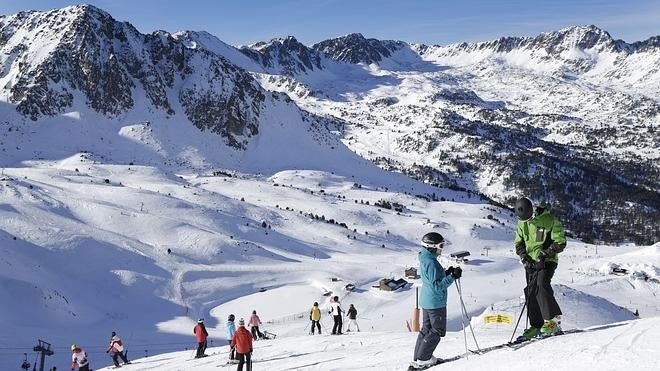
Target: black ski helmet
(433, 240)
(231, 317)
(524, 209)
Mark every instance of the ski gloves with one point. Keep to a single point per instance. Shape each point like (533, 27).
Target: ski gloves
(555, 248)
(456, 273)
(527, 262)
(548, 252)
(530, 264)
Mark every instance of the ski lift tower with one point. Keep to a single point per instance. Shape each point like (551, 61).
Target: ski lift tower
(44, 349)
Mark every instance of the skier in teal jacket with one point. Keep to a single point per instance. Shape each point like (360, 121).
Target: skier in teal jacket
(433, 299)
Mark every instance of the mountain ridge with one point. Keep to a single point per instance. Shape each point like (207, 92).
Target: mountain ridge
(540, 108)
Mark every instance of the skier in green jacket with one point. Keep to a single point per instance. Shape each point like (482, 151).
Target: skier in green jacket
(539, 239)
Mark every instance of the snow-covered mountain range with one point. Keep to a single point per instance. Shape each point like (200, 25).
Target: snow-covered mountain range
(148, 180)
(569, 117)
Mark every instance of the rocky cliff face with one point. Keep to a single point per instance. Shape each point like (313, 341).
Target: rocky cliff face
(355, 48)
(284, 56)
(50, 59)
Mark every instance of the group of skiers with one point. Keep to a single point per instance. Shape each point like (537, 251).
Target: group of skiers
(336, 312)
(115, 350)
(240, 340)
(538, 240)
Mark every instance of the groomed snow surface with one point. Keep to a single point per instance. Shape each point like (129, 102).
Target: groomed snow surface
(624, 345)
(83, 256)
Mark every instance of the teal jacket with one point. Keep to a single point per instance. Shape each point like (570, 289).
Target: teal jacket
(543, 232)
(434, 281)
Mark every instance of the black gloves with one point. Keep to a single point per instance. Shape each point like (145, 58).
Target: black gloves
(456, 272)
(530, 264)
(541, 263)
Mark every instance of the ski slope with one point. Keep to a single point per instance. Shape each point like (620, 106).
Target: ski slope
(83, 256)
(616, 346)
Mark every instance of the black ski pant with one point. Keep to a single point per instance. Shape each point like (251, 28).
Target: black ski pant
(336, 328)
(84, 368)
(318, 325)
(116, 355)
(541, 303)
(434, 326)
(256, 332)
(244, 359)
(201, 348)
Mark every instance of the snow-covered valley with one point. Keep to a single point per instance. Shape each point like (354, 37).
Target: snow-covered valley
(83, 257)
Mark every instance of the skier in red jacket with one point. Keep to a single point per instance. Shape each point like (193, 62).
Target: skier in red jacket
(242, 340)
(201, 335)
(116, 349)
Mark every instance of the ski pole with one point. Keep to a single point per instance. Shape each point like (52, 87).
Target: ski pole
(518, 322)
(467, 353)
(527, 295)
(460, 295)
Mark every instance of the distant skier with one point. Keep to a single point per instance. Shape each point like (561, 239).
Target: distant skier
(335, 310)
(242, 341)
(200, 334)
(539, 239)
(315, 317)
(433, 299)
(352, 318)
(116, 349)
(231, 329)
(79, 358)
(255, 321)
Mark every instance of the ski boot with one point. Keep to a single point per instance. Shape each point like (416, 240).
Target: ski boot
(528, 334)
(551, 327)
(423, 365)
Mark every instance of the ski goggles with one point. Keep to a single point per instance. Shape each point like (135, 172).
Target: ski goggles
(437, 246)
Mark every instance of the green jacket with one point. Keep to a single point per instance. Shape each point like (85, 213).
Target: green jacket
(543, 232)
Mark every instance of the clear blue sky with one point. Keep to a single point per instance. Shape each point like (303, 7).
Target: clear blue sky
(428, 21)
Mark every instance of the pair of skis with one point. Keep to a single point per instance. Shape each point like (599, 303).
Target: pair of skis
(514, 345)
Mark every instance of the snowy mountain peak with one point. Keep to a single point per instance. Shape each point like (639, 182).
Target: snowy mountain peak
(649, 45)
(285, 56)
(569, 51)
(80, 58)
(355, 48)
(587, 37)
(552, 43)
(84, 10)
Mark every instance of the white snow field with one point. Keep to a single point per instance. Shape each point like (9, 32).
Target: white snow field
(82, 256)
(612, 347)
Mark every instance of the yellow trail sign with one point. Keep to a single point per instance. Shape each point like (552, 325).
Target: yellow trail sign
(498, 318)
